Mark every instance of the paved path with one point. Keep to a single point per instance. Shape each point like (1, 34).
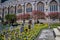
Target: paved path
(57, 32)
(46, 34)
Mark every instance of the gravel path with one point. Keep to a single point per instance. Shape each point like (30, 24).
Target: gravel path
(46, 34)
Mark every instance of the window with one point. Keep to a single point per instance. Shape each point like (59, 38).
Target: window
(53, 6)
(59, 8)
(5, 10)
(40, 6)
(19, 9)
(28, 7)
(12, 9)
(0, 11)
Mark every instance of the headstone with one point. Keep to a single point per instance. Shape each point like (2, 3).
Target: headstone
(26, 30)
(32, 24)
(22, 29)
(37, 21)
(11, 28)
(23, 22)
(29, 26)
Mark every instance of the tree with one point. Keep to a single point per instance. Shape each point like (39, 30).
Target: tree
(11, 18)
(23, 16)
(19, 16)
(59, 16)
(38, 14)
(26, 16)
(53, 15)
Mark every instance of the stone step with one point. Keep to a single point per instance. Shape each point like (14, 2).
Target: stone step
(57, 32)
(57, 38)
(58, 28)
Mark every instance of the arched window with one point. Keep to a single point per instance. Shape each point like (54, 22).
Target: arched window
(59, 8)
(12, 9)
(53, 6)
(0, 11)
(28, 7)
(40, 6)
(19, 9)
(59, 5)
(5, 11)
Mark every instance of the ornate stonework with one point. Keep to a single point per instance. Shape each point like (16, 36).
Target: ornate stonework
(33, 5)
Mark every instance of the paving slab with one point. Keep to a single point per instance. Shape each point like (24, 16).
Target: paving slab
(46, 34)
(57, 32)
(57, 38)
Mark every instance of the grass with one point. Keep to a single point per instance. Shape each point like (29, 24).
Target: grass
(55, 25)
(29, 35)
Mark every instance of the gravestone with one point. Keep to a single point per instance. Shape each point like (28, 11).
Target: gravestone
(22, 29)
(29, 24)
(11, 28)
(23, 22)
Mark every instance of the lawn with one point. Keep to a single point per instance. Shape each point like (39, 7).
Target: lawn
(55, 25)
(27, 34)
(30, 34)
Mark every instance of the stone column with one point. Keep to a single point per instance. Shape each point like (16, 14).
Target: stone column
(33, 6)
(22, 8)
(25, 7)
(16, 9)
(58, 7)
(46, 8)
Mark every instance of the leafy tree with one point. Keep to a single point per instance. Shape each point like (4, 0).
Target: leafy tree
(11, 18)
(19, 16)
(23, 16)
(53, 15)
(26, 16)
(38, 14)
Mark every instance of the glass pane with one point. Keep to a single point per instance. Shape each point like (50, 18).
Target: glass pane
(28, 9)
(19, 10)
(5, 12)
(40, 8)
(11, 11)
(56, 8)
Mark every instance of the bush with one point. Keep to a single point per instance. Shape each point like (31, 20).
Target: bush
(53, 15)
(11, 18)
(23, 16)
(38, 14)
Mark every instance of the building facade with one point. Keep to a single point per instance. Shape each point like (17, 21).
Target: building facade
(23, 6)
